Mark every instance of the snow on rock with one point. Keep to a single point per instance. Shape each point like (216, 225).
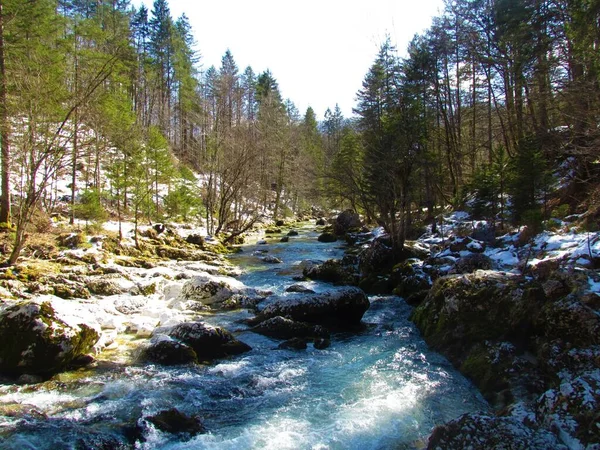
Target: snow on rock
(572, 409)
(38, 339)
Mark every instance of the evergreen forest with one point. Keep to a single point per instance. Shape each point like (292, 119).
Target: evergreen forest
(489, 107)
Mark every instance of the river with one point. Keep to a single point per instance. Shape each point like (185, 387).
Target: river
(381, 388)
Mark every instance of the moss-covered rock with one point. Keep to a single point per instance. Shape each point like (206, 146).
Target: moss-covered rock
(35, 340)
(463, 310)
(71, 240)
(327, 237)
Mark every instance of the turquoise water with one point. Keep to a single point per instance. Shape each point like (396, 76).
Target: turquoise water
(379, 389)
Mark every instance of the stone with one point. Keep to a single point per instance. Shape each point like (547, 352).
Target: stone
(342, 308)
(207, 341)
(293, 344)
(299, 288)
(321, 343)
(211, 289)
(270, 259)
(284, 239)
(327, 237)
(346, 221)
(175, 422)
(482, 431)
(35, 340)
(321, 222)
(279, 223)
(102, 287)
(168, 351)
(195, 239)
(292, 233)
(283, 328)
(332, 271)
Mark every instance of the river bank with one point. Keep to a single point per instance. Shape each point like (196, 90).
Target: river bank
(376, 387)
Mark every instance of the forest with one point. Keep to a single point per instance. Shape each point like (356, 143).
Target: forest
(489, 107)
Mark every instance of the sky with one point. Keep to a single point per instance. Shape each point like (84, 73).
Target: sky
(319, 51)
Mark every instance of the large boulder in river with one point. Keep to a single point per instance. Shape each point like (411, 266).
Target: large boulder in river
(339, 308)
(346, 221)
(34, 339)
(207, 341)
(283, 328)
(211, 289)
(332, 271)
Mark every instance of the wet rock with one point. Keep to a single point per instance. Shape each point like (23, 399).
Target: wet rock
(376, 258)
(327, 237)
(292, 233)
(410, 281)
(283, 328)
(321, 343)
(340, 308)
(175, 422)
(480, 431)
(35, 340)
(293, 344)
(346, 221)
(321, 222)
(271, 259)
(332, 271)
(168, 351)
(300, 289)
(262, 242)
(284, 239)
(207, 341)
(273, 230)
(279, 223)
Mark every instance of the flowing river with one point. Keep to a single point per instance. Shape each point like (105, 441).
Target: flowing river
(380, 388)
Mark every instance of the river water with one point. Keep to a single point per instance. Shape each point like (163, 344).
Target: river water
(380, 388)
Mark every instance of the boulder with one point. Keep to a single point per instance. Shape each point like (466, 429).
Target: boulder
(211, 289)
(299, 288)
(284, 239)
(270, 259)
(482, 431)
(35, 340)
(279, 223)
(410, 281)
(102, 286)
(376, 258)
(292, 233)
(332, 271)
(341, 308)
(346, 221)
(293, 344)
(207, 341)
(463, 310)
(320, 222)
(168, 351)
(327, 237)
(195, 239)
(283, 328)
(175, 422)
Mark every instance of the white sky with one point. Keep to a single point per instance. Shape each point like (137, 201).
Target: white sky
(319, 51)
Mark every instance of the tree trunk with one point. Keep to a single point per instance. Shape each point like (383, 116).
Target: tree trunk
(4, 133)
